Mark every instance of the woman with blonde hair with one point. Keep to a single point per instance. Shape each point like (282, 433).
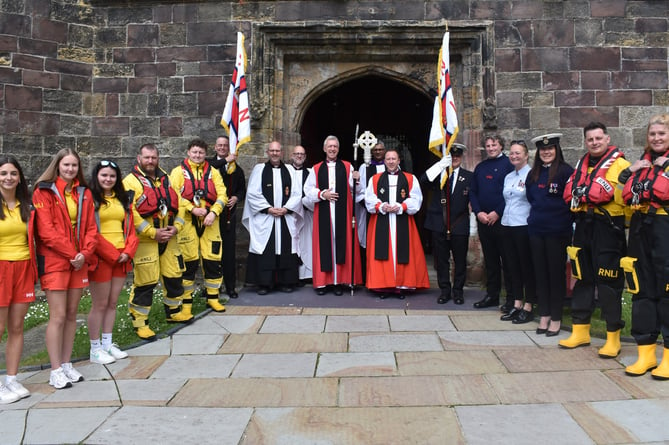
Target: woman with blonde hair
(66, 236)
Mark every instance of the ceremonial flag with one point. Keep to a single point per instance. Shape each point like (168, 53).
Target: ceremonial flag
(444, 118)
(236, 118)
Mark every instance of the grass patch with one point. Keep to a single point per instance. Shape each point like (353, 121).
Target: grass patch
(598, 326)
(123, 333)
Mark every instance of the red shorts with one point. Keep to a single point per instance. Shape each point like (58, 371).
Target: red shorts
(16, 283)
(64, 280)
(106, 271)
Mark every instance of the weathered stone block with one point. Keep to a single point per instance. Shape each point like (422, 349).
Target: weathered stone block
(75, 83)
(593, 80)
(512, 34)
(82, 36)
(487, 9)
(113, 70)
(644, 65)
(594, 59)
(638, 80)
(612, 98)
(183, 12)
(647, 9)
(59, 101)
(215, 69)
(209, 104)
(157, 105)
(588, 32)
(211, 33)
(624, 39)
(215, 12)
(10, 75)
(196, 126)
(133, 55)
(513, 117)
(110, 85)
(110, 37)
(619, 25)
(203, 83)
(579, 116)
(45, 29)
(537, 99)
(184, 54)
(107, 147)
(507, 99)
(162, 13)
(545, 59)
(133, 104)
(607, 8)
(112, 104)
(28, 62)
(661, 97)
(9, 123)
(24, 144)
(15, 24)
(85, 55)
(9, 43)
(43, 124)
(124, 16)
(23, 98)
(68, 67)
(145, 126)
(182, 105)
(507, 60)
(40, 79)
(74, 125)
(143, 35)
(172, 34)
(650, 25)
(554, 33)
(38, 47)
(574, 98)
(637, 117)
(75, 12)
(167, 69)
(171, 127)
(142, 85)
(111, 126)
(518, 81)
(188, 69)
(94, 104)
(544, 117)
(560, 81)
(171, 85)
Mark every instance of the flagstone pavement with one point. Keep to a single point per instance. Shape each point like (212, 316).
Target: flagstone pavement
(290, 372)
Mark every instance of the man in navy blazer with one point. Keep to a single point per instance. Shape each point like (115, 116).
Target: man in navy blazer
(450, 234)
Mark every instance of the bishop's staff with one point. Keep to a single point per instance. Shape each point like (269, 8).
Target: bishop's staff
(354, 236)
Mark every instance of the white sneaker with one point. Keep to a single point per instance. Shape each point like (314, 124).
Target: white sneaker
(72, 374)
(7, 395)
(59, 380)
(17, 388)
(115, 352)
(101, 357)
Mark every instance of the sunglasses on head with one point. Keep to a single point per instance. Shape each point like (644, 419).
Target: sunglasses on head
(518, 142)
(107, 163)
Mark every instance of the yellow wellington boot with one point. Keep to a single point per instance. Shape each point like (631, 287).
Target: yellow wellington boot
(662, 371)
(215, 305)
(175, 315)
(580, 336)
(645, 362)
(145, 333)
(611, 348)
(187, 310)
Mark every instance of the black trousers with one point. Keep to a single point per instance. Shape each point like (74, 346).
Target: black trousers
(602, 243)
(229, 258)
(549, 258)
(649, 244)
(442, 248)
(519, 258)
(492, 244)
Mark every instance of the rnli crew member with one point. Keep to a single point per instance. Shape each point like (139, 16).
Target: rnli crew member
(376, 165)
(594, 196)
(646, 191)
(157, 219)
(204, 197)
(488, 205)
(329, 187)
(235, 189)
(456, 191)
(396, 254)
(273, 216)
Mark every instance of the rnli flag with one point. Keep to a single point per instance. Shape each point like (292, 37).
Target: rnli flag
(236, 118)
(444, 127)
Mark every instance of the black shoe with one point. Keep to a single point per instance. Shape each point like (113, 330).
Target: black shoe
(511, 315)
(338, 290)
(552, 333)
(286, 289)
(262, 290)
(444, 298)
(523, 317)
(487, 301)
(233, 294)
(506, 307)
(541, 331)
(321, 290)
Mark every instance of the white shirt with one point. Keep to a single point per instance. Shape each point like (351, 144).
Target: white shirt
(516, 207)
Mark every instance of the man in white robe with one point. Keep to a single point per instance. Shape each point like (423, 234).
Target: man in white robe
(300, 173)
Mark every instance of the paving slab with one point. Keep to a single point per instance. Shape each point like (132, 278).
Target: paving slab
(197, 366)
(601, 429)
(276, 365)
(239, 324)
(352, 311)
(353, 426)
(206, 325)
(449, 363)
(64, 425)
(547, 387)
(642, 418)
(149, 392)
(416, 391)
(357, 323)
(189, 344)
(298, 324)
(484, 339)
(487, 320)
(258, 392)
(13, 422)
(161, 346)
(136, 367)
(640, 387)
(273, 343)
(356, 364)
(82, 394)
(173, 426)
(545, 359)
(545, 424)
(257, 310)
(360, 342)
(420, 323)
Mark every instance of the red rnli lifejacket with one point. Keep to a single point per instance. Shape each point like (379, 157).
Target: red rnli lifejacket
(155, 201)
(647, 185)
(195, 189)
(591, 188)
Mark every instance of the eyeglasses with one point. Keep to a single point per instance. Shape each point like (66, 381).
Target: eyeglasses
(518, 142)
(107, 163)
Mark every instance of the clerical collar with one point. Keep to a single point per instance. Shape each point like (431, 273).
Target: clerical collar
(396, 172)
(332, 162)
(376, 162)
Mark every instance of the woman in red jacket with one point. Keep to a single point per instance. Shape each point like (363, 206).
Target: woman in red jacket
(17, 270)
(117, 243)
(66, 236)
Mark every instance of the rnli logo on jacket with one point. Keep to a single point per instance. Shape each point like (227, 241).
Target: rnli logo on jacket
(605, 185)
(607, 273)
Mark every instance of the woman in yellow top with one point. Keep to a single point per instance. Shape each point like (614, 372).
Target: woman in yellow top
(117, 244)
(18, 272)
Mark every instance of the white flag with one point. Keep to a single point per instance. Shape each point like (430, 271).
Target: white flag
(236, 117)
